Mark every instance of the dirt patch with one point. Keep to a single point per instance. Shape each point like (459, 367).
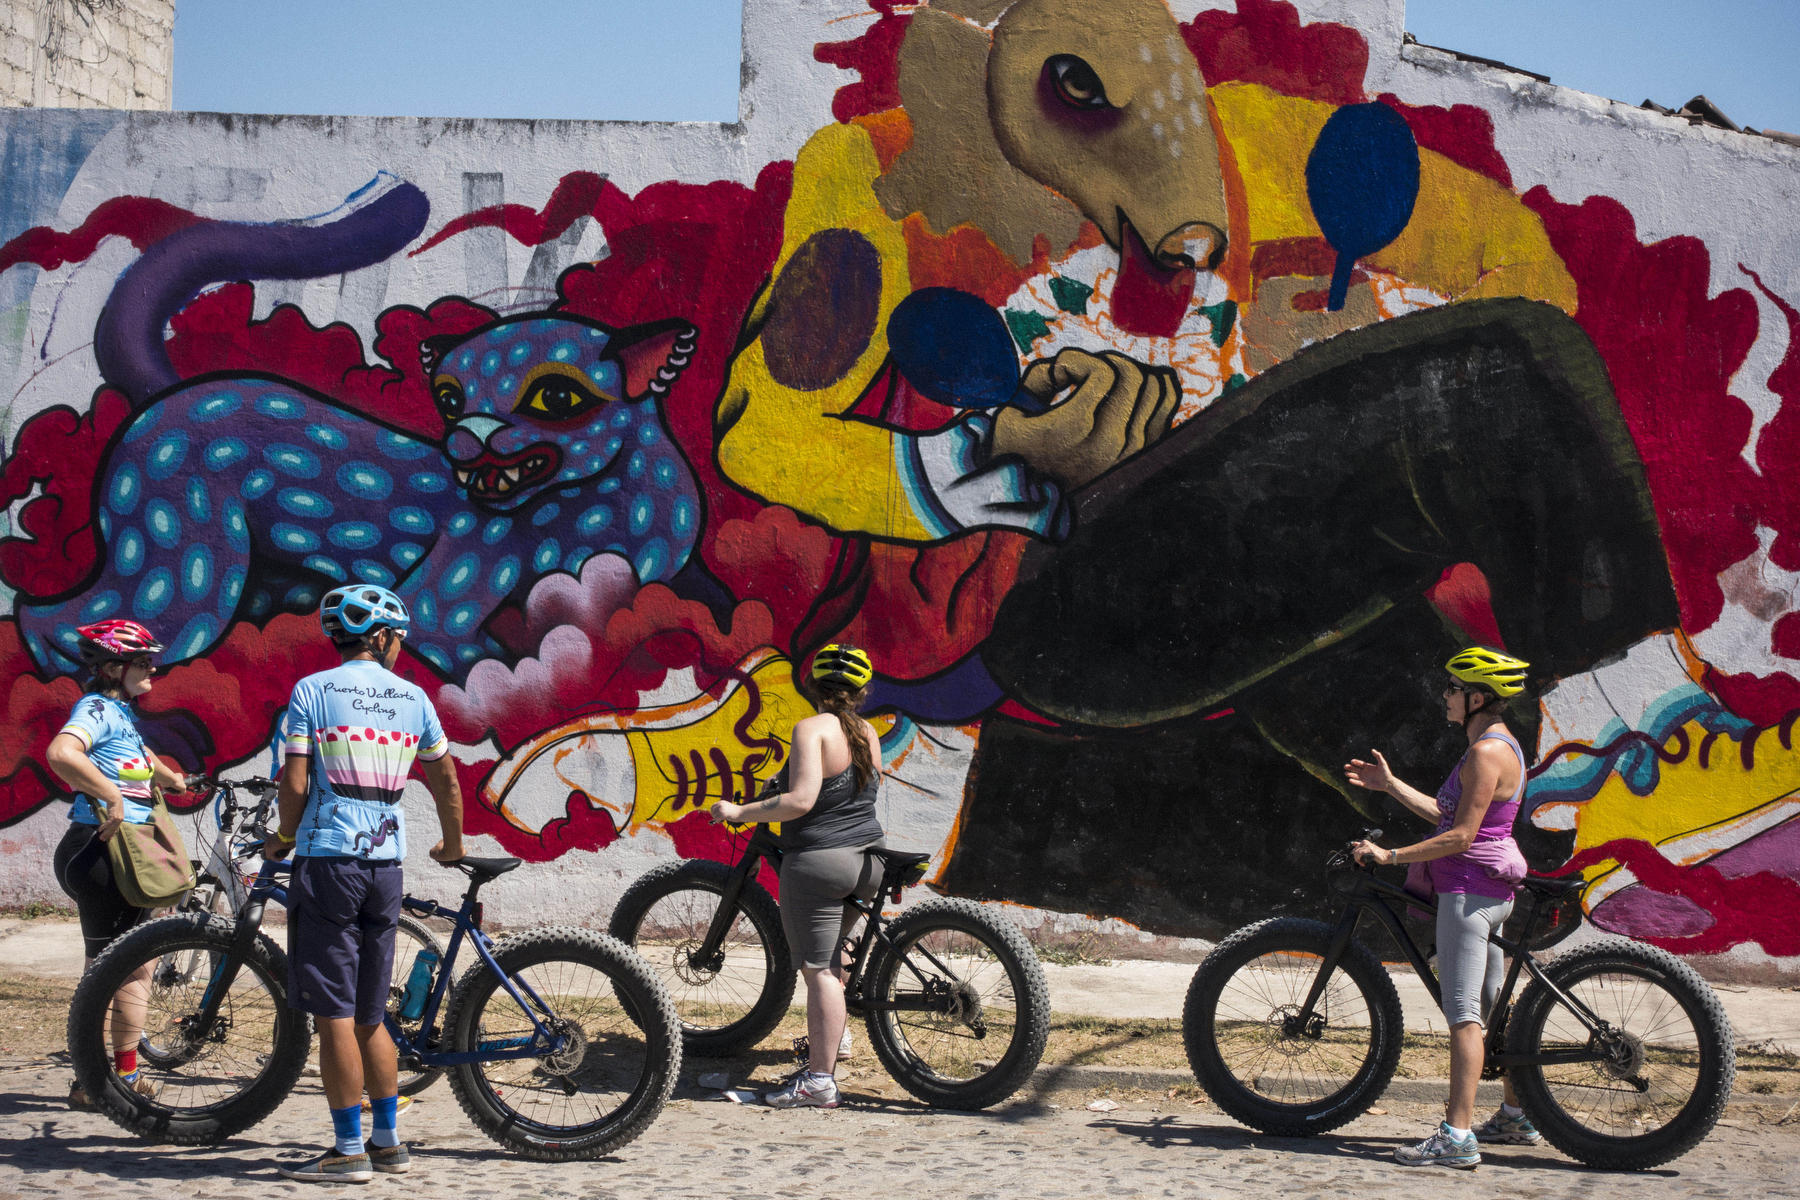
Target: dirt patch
(34, 1016)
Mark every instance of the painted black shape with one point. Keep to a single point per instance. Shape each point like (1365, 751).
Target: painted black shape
(1362, 179)
(1189, 829)
(1307, 504)
(1194, 827)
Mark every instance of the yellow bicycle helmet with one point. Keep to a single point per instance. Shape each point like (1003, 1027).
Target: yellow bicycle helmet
(842, 666)
(1500, 673)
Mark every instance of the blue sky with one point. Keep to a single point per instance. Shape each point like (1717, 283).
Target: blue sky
(677, 60)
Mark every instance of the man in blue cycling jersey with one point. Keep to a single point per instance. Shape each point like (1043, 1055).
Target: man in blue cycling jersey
(352, 735)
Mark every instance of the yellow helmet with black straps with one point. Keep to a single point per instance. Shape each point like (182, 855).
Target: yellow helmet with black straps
(842, 666)
(1501, 674)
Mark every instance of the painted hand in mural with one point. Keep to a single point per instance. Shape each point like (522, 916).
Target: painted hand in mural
(1110, 408)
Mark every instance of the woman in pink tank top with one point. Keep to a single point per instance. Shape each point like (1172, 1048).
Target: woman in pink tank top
(1473, 865)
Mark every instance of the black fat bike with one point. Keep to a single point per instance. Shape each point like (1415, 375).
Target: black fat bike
(559, 1042)
(955, 1001)
(1620, 1054)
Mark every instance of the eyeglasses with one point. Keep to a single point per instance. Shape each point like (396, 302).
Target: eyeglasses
(1459, 687)
(143, 664)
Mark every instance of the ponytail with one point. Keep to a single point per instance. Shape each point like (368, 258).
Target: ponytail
(845, 706)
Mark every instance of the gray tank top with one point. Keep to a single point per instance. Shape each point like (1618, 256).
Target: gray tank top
(841, 817)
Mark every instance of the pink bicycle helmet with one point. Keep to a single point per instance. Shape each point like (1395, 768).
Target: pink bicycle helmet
(110, 641)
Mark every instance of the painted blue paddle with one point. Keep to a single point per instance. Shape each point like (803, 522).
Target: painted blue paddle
(1362, 179)
(955, 349)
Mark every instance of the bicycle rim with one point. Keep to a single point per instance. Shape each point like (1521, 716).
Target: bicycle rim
(606, 1062)
(1258, 1046)
(1663, 1052)
(707, 997)
(238, 1054)
(969, 969)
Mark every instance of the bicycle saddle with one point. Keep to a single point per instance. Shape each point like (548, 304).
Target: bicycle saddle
(1554, 889)
(900, 869)
(484, 869)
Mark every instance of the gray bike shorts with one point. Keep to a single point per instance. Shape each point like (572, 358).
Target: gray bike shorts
(1470, 968)
(814, 886)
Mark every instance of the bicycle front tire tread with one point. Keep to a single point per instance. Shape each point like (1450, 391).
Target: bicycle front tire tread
(1302, 936)
(92, 1060)
(758, 907)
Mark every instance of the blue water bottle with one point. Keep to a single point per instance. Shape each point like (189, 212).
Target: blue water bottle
(418, 984)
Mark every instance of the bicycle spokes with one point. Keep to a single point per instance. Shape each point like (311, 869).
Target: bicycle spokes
(1270, 1044)
(1644, 1063)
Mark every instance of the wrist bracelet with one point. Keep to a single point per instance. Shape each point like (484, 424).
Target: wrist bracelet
(283, 838)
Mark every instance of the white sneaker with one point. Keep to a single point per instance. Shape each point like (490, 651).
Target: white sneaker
(845, 1046)
(802, 1091)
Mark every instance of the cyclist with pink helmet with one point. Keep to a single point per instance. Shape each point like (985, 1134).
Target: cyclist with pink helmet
(99, 754)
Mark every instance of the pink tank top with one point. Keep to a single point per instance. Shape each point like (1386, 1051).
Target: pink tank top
(1489, 870)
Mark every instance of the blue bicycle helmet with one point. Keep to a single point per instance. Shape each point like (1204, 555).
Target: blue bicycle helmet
(359, 608)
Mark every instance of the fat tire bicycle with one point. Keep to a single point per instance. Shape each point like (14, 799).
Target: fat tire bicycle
(222, 884)
(954, 999)
(560, 1043)
(1620, 1054)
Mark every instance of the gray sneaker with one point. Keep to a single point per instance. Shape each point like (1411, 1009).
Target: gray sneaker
(1440, 1150)
(390, 1160)
(332, 1168)
(801, 1092)
(1501, 1129)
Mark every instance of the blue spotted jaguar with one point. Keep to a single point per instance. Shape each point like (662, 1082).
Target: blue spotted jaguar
(238, 496)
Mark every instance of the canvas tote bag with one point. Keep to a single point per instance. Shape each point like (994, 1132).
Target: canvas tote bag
(150, 862)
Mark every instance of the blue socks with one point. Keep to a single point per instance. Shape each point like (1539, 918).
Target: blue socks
(346, 1124)
(387, 1122)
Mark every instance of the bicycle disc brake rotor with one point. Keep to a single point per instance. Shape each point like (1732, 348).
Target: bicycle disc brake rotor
(1288, 1038)
(688, 969)
(574, 1048)
(1622, 1055)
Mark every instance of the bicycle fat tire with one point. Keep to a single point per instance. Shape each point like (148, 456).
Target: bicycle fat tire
(1713, 1054)
(722, 1013)
(410, 937)
(1257, 976)
(926, 1052)
(625, 1033)
(260, 990)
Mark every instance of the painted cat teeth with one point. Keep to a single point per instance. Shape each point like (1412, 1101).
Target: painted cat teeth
(510, 474)
(463, 476)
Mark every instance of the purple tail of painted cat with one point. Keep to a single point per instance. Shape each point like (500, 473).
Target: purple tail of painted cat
(381, 219)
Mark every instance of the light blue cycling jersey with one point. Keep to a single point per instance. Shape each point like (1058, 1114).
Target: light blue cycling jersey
(361, 725)
(106, 729)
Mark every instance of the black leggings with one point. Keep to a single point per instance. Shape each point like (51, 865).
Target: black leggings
(84, 871)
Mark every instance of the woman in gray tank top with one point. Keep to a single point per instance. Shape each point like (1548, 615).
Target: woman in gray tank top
(825, 801)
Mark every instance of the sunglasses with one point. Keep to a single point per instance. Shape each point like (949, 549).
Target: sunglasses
(1459, 687)
(143, 664)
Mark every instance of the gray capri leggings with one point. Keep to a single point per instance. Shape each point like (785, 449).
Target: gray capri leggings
(1470, 968)
(814, 885)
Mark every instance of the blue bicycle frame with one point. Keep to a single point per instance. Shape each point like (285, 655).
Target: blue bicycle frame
(544, 1041)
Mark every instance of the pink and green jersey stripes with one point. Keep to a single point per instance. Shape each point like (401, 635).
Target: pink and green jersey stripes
(361, 727)
(362, 762)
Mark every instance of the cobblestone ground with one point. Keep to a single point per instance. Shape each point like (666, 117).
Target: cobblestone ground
(704, 1149)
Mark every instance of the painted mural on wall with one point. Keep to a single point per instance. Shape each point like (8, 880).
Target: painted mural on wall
(1158, 406)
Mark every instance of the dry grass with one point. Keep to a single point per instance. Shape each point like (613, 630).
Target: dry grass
(34, 1012)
